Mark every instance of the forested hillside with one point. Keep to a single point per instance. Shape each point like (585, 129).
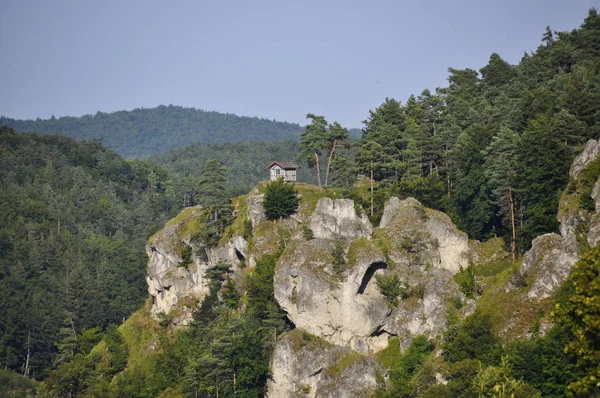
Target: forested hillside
(493, 148)
(245, 162)
(74, 219)
(143, 132)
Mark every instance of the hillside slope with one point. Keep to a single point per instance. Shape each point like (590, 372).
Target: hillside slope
(324, 303)
(142, 132)
(74, 218)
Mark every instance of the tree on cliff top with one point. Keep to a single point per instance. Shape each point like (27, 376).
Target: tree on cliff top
(281, 200)
(319, 138)
(212, 189)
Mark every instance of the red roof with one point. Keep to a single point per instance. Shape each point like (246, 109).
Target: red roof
(284, 165)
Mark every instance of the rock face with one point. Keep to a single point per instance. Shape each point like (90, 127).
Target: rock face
(328, 281)
(318, 301)
(593, 235)
(589, 153)
(305, 366)
(169, 280)
(427, 232)
(335, 218)
(550, 260)
(256, 213)
(344, 306)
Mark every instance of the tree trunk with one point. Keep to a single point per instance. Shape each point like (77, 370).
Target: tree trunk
(26, 371)
(448, 177)
(318, 169)
(329, 161)
(371, 189)
(513, 237)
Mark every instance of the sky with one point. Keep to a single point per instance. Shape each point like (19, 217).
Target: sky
(272, 59)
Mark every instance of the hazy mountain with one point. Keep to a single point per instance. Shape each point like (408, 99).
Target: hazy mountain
(142, 132)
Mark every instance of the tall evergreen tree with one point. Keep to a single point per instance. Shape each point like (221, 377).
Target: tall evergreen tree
(500, 168)
(212, 188)
(312, 142)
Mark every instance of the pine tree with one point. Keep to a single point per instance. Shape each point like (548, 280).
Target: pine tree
(500, 168)
(281, 200)
(312, 142)
(212, 188)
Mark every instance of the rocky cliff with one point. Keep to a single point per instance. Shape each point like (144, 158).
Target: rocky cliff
(349, 286)
(326, 281)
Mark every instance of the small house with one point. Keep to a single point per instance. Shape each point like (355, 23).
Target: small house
(287, 170)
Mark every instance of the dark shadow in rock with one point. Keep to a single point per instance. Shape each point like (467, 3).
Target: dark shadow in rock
(240, 256)
(369, 275)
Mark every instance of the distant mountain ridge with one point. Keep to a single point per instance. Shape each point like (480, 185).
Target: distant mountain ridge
(143, 132)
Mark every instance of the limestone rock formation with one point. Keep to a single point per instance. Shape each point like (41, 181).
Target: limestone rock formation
(344, 306)
(328, 278)
(548, 264)
(177, 268)
(425, 232)
(343, 309)
(335, 218)
(256, 212)
(305, 366)
(589, 153)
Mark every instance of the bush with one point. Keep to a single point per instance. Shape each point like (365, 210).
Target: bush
(473, 339)
(465, 279)
(281, 200)
(390, 287)
(307, 233)
(339, 262)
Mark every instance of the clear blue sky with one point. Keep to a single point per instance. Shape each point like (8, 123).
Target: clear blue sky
(274, 59)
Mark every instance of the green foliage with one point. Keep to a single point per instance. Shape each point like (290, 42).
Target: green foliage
(73, 227)
(307, 232)
(404, 369)
(231, 296)
(585, 184)
(465, 278)
(337, 254)
(228, 345)
(281, 200)
(116, 350)
(245, 163)
(391, 287)
(460, 378)
(320, 139)
(543, 167)
(212, 187)
(186, 256)
(580, 313)
(495, 381)
(473, 339)
(542, 363)
(13, 385)
(142, 132)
